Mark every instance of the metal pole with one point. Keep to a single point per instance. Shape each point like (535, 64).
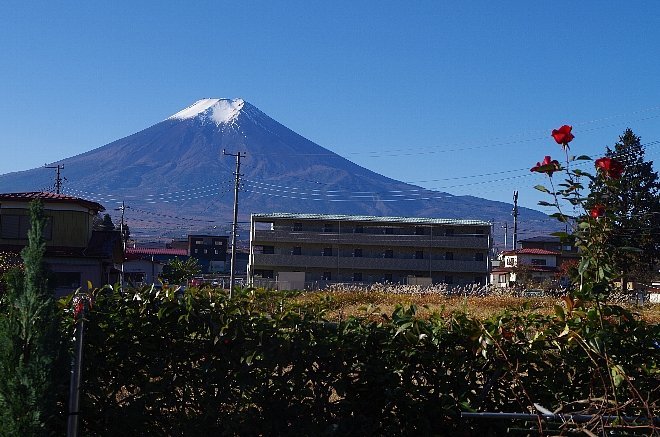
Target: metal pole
(76, 364)
(235, 223)
(515, 219)
(123, 246)
(578, 418)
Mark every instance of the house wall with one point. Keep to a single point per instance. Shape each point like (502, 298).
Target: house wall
(69, 227)
(146, 269)
(367, 252)
(71, 273)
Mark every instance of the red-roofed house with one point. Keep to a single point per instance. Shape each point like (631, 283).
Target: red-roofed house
(540, 264)
(75, 253)
(144, 265)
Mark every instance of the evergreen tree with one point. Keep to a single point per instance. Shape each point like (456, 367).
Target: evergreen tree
(177, 271)
(28, 341)
(107, 224)
(635, 209)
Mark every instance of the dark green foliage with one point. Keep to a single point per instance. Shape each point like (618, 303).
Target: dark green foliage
(177, 271)
(28, 342)
(107, 224)
(197, 363)
(635, 204)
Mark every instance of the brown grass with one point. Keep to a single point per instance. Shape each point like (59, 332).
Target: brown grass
(344, 304)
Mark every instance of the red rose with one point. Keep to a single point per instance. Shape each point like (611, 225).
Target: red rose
(563, 135)
(597, 211)
(610, 167)
(80, 306)
(548, 165)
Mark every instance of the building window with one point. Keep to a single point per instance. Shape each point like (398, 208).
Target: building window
(206, 251)
(510, 261)
(357, 276)
(269, 250)
(297, 250)
(327, 276)
(15, 227)
(479, 256)
(567, 248)
(216, 251)
(217, 242)
(328, 227)
(449, 279)
(389, 253)
(359, 229)
(419, 254)
(196, 250)
(538, 262)
(501, 278)
(265, 274)
(297, 227)
(449, 232)
(67, 279)
(449, 256)
(419, 230)
(327, 251)
(357, 253)
(198, 242)
(389, 231)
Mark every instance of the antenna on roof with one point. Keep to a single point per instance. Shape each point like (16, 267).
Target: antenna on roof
(58, 178)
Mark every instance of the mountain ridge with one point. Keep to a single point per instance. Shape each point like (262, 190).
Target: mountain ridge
(177, 165)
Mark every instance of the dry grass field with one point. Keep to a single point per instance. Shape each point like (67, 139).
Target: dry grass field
(355, 301)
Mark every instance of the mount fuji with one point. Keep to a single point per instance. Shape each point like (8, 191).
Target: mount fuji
(174, 177)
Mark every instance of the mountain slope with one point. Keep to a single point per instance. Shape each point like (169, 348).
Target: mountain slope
(176, 170)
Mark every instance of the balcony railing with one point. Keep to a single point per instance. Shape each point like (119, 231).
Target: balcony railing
(270, 261)
(357, 239)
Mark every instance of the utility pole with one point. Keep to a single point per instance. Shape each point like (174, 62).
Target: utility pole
(122, 208)
(58, 178)
(515, 219)
(235, 223)
(506, 234)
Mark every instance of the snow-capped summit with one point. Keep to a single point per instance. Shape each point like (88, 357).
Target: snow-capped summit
(218, 110)
(178, 165)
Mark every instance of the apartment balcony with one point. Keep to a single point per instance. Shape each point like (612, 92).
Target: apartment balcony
(357, 239)
(302, 262)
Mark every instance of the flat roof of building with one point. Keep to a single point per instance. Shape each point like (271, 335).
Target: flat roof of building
(371, 219)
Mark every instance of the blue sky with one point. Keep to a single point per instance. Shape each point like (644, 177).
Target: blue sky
(456, 96)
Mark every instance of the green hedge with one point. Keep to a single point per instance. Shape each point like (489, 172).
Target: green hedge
(196, 363)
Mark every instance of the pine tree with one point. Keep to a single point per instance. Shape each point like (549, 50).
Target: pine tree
(107, 224)
(28, 341)
(636, 210)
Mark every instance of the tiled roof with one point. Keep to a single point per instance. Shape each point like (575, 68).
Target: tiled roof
(155, 251)
(50, 197)
(530, 251)
(375, 219)
(541, 239)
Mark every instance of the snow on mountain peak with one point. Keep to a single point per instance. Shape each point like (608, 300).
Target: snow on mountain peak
(218, 110)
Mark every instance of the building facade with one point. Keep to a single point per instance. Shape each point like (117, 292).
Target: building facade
(322, 249)
(75, 252)
(532, 265)
(210, 251)
(143, 266)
